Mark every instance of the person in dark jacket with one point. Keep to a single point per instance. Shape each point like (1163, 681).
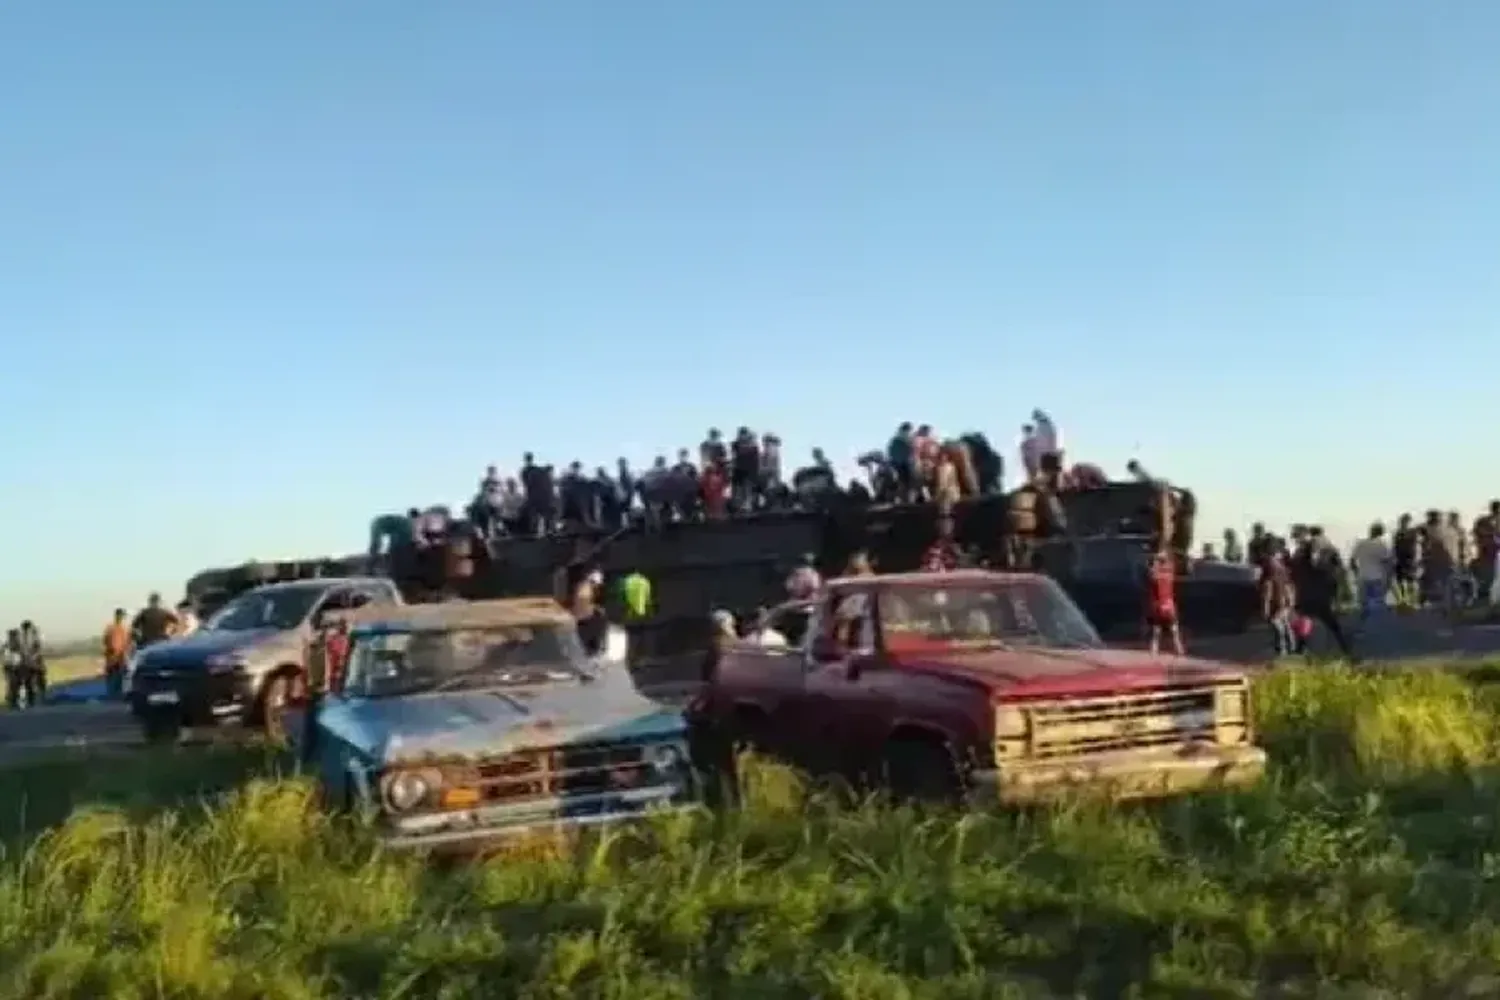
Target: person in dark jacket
(153, 623)
(1316, 572)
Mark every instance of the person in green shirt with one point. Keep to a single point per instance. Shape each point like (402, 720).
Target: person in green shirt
(636, 591)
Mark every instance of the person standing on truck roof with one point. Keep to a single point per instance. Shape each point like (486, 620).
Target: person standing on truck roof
(744, 472)
(713, 489)
(389, 532)
(116, 649)
(901, 456)
(1031, 452)
(1049, 439)
(713, 451)
(153, 623)
(770, 485)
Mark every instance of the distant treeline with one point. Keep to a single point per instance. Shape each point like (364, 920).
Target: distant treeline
(73, 647)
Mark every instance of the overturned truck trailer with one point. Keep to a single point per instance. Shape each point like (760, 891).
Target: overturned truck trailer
(1093, 541)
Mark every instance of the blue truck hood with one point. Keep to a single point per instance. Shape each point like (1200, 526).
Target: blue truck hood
(476, 724)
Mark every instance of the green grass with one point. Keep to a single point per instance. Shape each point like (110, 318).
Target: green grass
(1366, 865)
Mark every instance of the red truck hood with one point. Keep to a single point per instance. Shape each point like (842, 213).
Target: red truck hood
(1041, 673)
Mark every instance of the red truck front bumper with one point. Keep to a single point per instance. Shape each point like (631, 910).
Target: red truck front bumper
(1127, 774)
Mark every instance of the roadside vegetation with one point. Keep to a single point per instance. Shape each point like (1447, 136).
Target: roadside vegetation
(1366, 865)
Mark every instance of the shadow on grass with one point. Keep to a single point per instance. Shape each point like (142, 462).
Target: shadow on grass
(142, 783)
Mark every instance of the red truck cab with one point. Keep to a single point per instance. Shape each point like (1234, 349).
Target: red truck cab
(980, 685)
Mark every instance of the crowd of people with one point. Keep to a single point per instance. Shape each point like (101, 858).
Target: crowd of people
(734, 476)
(1439, 563)
(1303, 577)
(25, 660)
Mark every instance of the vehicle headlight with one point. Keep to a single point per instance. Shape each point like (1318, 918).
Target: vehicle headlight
(665, 758)
(404, 791)
(1011, 732)
(1232, 703)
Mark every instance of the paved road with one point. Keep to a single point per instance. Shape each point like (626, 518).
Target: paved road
(1397, 637)
(90, 726)
(1385, 639)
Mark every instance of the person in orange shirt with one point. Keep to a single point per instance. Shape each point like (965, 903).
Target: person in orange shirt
(116, 653)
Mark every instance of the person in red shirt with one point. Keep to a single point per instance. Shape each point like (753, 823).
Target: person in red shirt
(1161, 602)
(335, 656)
(942, 554)
(714, 487)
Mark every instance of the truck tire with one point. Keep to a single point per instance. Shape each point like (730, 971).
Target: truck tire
(919, 769)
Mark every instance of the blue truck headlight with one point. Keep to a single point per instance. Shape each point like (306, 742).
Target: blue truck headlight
(665, 758)
(405, 790)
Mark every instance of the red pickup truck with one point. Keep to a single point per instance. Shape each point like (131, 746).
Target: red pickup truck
(979, 686)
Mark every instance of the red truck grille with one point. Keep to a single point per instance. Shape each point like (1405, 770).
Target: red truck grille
(1075, 726)
(561, 771)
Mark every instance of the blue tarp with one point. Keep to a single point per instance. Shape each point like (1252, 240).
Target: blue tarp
(72, 692)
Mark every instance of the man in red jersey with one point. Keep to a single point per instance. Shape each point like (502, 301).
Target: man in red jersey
(1161, 602)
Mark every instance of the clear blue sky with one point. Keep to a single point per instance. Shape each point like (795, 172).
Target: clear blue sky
(269, 268)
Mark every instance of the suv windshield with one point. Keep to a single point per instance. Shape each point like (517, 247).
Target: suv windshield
(397, 663)
(281, 608)
(1031, 613)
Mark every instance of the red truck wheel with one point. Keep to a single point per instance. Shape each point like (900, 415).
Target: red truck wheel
(920, 770)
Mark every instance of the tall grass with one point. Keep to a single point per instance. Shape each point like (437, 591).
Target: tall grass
(1367, 864)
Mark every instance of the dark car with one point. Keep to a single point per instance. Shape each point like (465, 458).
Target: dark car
(247, 661)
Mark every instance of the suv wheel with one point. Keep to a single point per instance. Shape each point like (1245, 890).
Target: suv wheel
(918, 770)
(273, 704)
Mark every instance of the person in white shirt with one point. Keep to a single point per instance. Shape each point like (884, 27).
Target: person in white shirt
(762, 634)
(1372, 566)
(1031, 451)
(187, 621)
(1048, 438)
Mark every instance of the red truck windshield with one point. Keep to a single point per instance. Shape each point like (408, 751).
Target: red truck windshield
(1033, 612)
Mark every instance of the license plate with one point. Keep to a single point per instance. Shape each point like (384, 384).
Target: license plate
(162, 698)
